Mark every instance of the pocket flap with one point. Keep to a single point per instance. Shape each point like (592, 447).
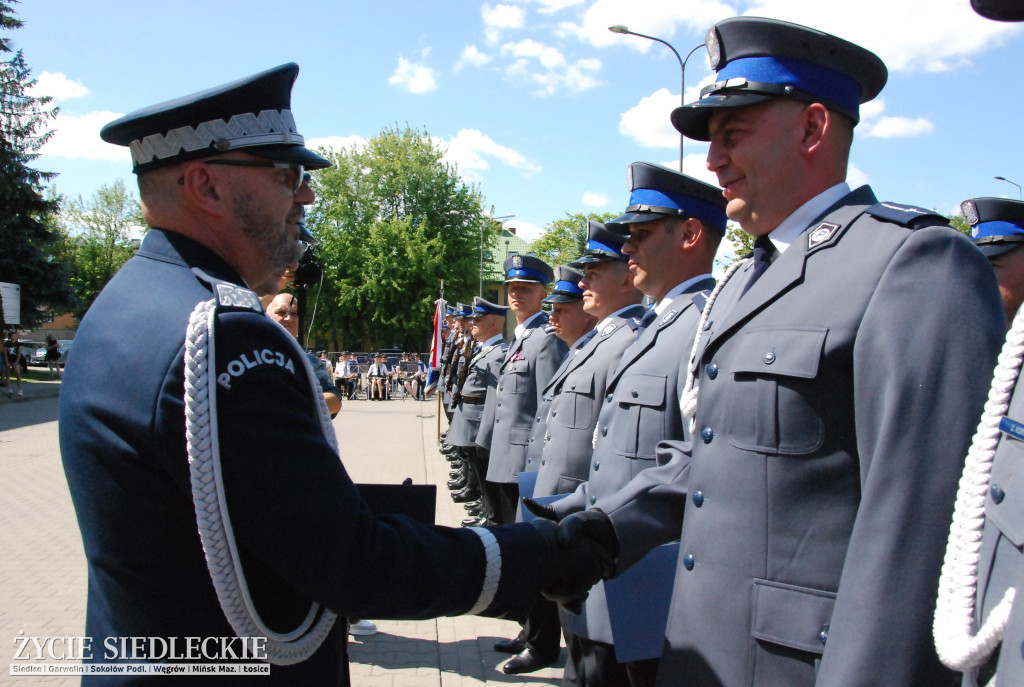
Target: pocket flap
(519, 367)
(785, 352)
(643, 390)
(581, 382)
(1008, 514)
(791, 616)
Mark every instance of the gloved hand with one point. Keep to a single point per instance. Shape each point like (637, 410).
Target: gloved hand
(580, 557)
(546, 512)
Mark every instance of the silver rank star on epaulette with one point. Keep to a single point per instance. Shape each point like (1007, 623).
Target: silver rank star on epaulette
(232, 296)
(669, 316)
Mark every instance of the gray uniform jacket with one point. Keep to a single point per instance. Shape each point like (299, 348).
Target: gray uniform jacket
(641, 408)
(483, 374)
(1001, 564)
(577, 394)
(837, 401)
(530, 362)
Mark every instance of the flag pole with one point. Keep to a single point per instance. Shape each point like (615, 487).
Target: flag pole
(438, 390)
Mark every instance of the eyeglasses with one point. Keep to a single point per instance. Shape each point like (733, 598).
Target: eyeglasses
(297, 169)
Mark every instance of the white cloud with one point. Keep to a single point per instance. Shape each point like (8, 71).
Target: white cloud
(855, 178)
(501, 17)
(653, 17)
(548, 68)
(552, 6)
(647, 122)
(525, 230)
(898, 127)
(595, 200)
(471, 148)
(415, 78)
(472, 57)
(57, 86)
(79, 137)
(936, 36)
(336, 143)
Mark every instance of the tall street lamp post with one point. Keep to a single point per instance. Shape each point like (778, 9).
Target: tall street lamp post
(1020, 196)
(619, 28)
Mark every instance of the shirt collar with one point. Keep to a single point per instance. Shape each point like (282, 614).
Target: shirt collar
(677, 291)
(493, 340)
(790, 228)
(617, 313)
(520, 328)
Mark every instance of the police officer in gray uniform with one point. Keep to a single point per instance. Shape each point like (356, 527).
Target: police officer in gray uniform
(530, 362)
(985, 639)
(834, 398)
(205, 474)
(486, 324)
(674, 225)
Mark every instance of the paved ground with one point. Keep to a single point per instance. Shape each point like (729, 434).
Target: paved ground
(42, 567)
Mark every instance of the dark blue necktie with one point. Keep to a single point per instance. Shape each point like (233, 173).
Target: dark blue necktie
(764, 251)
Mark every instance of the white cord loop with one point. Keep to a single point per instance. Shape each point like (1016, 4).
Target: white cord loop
(212, 516)
(688, 401)
(958, 583)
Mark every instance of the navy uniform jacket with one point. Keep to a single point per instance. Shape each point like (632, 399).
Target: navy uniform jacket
(837, 401)
(483, 374)
(578, 398)
(641, 408)
(1001, 563)
(531, 360)
(302, 529)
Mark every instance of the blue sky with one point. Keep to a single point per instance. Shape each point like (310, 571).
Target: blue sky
(536, 101)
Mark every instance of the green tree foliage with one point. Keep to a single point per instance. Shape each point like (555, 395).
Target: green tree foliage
(393, 220)
(97, 237)
(564, 240)
(959, 223)
(25, 215)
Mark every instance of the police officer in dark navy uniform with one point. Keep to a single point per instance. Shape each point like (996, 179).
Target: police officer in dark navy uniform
(205, 475)
(985, 640)
(832, 400)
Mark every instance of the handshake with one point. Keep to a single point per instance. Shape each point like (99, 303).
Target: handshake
(583, 546)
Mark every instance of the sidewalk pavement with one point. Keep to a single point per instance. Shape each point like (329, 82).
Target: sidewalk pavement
(43, 573)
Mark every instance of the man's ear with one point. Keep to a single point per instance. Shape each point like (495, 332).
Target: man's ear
(202, 189)
(816, 122)
(690, 232)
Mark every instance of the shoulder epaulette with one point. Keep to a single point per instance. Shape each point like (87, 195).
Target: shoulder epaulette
(548, 329)
(906, 215)
(230, 295)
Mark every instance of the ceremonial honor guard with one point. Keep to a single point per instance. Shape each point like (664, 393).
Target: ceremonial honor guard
(530, 362)
(205, 473)
(674, 225)
(486, 322)
(833, 396)
(979, 621)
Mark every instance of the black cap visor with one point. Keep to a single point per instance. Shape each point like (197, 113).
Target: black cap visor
(692, 120)
(297, 154)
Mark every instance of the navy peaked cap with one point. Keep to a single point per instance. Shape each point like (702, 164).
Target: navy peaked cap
(1000, 10)
(567, 285)
(483, 307)
(462, 310)
(527, 268)
(758, 59)
(997, 224)
(602, 246)
(252, 115)
(656, 192)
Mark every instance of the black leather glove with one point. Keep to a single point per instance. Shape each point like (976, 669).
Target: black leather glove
(546, 512)
(575, 567)
(593, 524)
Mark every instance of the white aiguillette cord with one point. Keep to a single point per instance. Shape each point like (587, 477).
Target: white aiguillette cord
(958, 583)
(212, 516)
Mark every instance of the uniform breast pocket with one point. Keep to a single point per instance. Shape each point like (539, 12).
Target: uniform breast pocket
(517, 377)
(577, 412)
(639, 422)
(1007, 482)
(772, 406)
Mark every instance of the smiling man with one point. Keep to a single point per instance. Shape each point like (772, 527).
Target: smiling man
(834, 397)
(205, 473)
